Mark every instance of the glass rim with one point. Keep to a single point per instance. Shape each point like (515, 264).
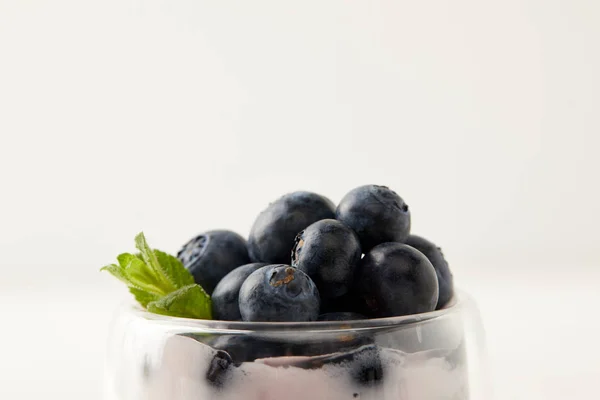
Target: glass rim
(243, 327)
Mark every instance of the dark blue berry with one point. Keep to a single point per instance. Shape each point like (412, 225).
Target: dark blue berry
(376, 213)
(395, 279)
(436, 257)
(329, 252)
(219, 368)
(279, 293)
(272, 235)
(212, 255)
(341, 316)
(364, 364)
(346, 303)
(367, 369)
(320, 345)
(225, 302)
(246, 348)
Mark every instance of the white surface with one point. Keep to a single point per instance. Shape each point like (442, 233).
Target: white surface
(176, 116)
(542, 339)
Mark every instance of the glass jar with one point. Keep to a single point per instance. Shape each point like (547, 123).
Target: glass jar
(431, 356)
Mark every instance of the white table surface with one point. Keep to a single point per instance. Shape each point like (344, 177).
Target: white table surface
(542, 339)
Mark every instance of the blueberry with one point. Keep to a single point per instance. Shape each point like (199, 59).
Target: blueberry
(343, 342)
(279, 293)
(328, 251)
(225, 302)
(364, 364)
(376, 213)
(246, 348)
(396, 279)
(272, 235)
(347, 303)
(219, 368)
(367, 369)
(436, 257)
(212, 255)
(341, 316)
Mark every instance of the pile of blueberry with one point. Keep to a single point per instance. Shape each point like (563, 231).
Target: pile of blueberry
(307, 260)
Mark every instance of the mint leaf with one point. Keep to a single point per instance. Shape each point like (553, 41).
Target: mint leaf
(131, 272)
(117, 272)
(160, 282)
(174, 269)
(189, 302)
(137, 274)
(151, 261)
(125, 259)
(144, 297)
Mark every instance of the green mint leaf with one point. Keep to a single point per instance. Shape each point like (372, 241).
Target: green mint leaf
(126, 272)
(126, 258)
(139, 275)
(160, 282)
(152, 263)
(117, 272)
(143, 297)
(174, 269)
(167, 282)
(188, 302)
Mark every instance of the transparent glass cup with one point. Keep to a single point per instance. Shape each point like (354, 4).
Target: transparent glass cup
(438, 355)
